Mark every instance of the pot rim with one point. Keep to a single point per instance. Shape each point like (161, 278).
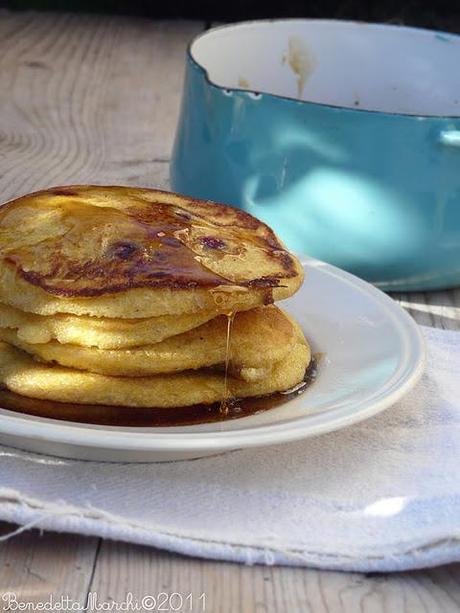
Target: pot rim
(337, 107)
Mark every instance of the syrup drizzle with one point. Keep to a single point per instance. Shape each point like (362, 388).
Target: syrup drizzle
(148, 243)
(224, 404)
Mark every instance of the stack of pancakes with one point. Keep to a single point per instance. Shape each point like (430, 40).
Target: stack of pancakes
(140, 298)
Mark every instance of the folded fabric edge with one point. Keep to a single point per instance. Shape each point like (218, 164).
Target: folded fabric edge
(14, 509)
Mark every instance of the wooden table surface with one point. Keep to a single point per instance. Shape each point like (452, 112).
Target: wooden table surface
(95, 99)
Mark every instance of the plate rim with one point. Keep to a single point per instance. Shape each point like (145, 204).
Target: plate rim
(297, 428)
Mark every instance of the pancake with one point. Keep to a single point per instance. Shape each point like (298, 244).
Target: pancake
(21, 374)
(259, 338)
(98, 331)
(122, 252)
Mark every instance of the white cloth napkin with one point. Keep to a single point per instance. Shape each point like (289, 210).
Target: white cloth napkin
(382, 495)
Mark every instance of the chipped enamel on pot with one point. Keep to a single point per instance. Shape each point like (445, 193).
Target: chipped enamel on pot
(344, 137)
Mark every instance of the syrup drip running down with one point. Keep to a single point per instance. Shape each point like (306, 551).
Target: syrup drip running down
(224, 405)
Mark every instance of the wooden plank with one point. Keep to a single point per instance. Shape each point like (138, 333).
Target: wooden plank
(437, 309)
(232, 587)
(88, 99)
(33, 566)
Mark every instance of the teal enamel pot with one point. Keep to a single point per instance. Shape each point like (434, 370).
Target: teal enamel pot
(344, 137)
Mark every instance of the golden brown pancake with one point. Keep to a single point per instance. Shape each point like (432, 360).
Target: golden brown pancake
(259, 338)
(21, 374)
(99, 332)
(122, 252)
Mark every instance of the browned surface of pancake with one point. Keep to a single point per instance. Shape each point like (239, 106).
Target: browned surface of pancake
(111, 239)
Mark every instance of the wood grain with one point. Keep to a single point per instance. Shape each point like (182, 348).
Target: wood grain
(33, 566)
(436, 309)
(245, 589)
(95, 99)
(88, 99)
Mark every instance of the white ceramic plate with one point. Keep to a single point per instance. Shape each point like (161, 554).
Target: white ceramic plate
(374, 354)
